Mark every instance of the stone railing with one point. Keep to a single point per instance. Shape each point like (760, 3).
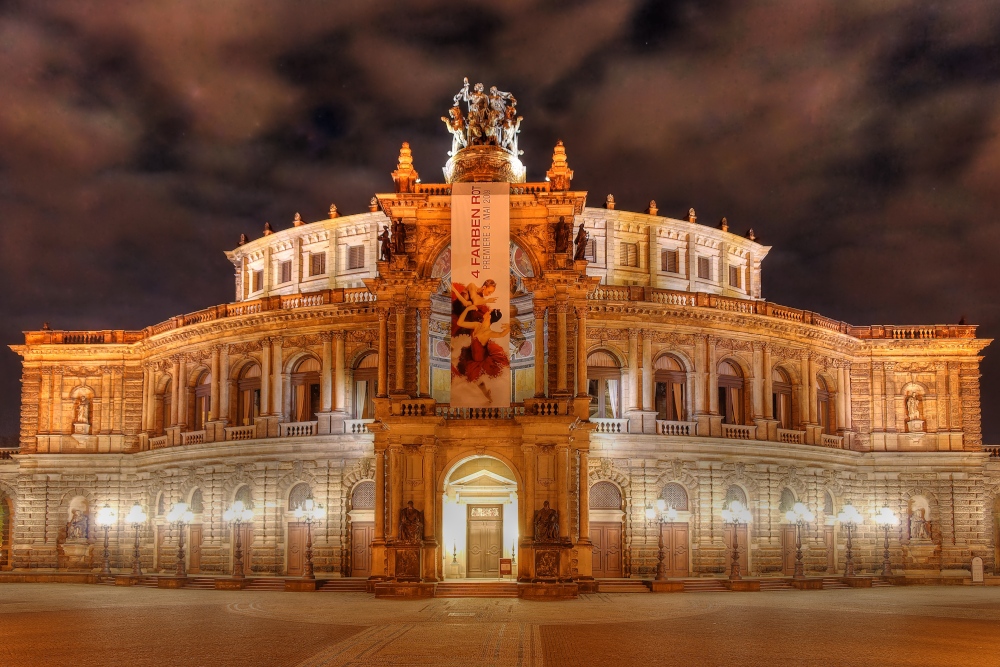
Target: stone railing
(448, 412)
(7, 453)
(241, 432)
(835, 441)
(419, 407)
(610, 425)
(358, 295)
(357, 426)
(296, 429)
(159, 442)
(665, 427)
(791, 437)
(193, 438)
(993, 451)
(547, 407)
(739, 432)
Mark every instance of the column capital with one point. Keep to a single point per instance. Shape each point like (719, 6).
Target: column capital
(218, 347)
(633, 334)
(382, 312)
(562, 307)
(325, 336)
(581, 312)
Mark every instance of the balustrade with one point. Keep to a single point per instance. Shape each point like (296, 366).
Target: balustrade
(791, 437)
(610, 425)
(159, 442)
(193, 438)
(241, 432)
(296, 429)
(739, 432)
(836, 441)
(357, 426)
(448, 412)
(665, 427)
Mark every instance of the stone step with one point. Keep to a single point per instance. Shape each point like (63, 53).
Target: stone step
(622, 586)
(149, 582)
(200, 583)
(265, 584)
(476, 590)
(704, 586)
(345, 585)
(775, 585)
(880, 583)
(833, 584)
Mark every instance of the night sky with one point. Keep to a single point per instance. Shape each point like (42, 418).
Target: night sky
(138, 139)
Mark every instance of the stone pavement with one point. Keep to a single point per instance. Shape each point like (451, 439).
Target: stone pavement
(75, 624)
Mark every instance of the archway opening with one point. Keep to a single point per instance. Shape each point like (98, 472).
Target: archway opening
(479, 518)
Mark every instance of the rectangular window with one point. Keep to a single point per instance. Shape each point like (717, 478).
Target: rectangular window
(734, 276)
(630, 254)
(258, 280)
(704, 268)
(669, 261)
(590, 253)
(356, 257)
(285, 269)
(317, 263)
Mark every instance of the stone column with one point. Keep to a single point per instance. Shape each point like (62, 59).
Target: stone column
(633, 368)
(758, 379)
(889, 368)
(561, 347)
(213, 401)
(400, 347)
(846, 389)
(223, 411)
(147, 376)
(277, 400)
(768, 389)
(340, 372)
(326, 373)
(383, 352)
(395, 488)
(430, 506)
(106, 400)
(701, 405)
(562, 484)
(713, 377)
(265, 376)
(182, 393)
(813, 408)
(380, 494)
(841, 396)
(584, 496)
(804, 389)
(539, 349)
(58, 423)
(647, 371)
(425, 351)
(581, 351)
(528, 501)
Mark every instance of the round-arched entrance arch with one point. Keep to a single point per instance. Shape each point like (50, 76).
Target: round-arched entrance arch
(479, 518)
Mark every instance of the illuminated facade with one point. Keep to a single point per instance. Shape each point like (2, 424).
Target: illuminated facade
(650, 369)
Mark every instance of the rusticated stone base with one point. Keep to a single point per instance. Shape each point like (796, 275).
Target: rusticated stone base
(857, 582)
(300, 585)
(807, 584)
(743, 585)
(404, 590)
(666, 586)
(538, 591)
(171, 582)
(230, 584)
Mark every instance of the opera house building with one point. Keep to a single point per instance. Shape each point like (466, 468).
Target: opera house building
(489, 377)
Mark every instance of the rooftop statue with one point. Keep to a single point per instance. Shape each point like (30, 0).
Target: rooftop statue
(491, 119)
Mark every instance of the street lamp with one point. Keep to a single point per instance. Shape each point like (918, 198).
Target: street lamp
(736, 515)
(237, 515)
(799, 515)
(849, 518)
(106, 517)
(309, 512)
(181, 515)
(885, 519)
(661, 514)
(136, 518)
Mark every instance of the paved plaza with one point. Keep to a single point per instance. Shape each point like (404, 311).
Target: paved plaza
(82, 625)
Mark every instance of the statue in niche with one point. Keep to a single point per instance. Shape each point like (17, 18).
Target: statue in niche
(546, 524)
(912, 407)
(83, 411)
(385, 249)
(581, 243)
(399, 233)
(78, 527)
(920, 527)
(563, 231)
(411, 524)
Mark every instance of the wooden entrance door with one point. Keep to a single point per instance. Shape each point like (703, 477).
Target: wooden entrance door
(194, 548)
(675, 549)
(831, 549)
(296, 549)
(743, 547)
(161, 539)
(362, 534)
(607, 539)
(787, 549)
(485, 541)
(246, 541)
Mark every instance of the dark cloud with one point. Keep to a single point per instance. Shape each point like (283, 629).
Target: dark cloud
(139, 139)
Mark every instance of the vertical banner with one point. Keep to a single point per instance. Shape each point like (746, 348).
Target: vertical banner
(480, 295)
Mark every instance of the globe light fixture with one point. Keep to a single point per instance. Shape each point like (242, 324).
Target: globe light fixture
(736, 515)
(850, 518)
(136, 518)
(106, 517)
(309, 512)
(886, 519)
(237, 515)
(181, 515)
(799, 515)
(660, 514)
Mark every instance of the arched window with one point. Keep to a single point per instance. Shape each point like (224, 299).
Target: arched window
(202, 400)
(305, 390)
(787, 501)
(781, 397)
(298, 495)
(828, 504)
(735, 493)
(365, 380)
(604, 380)
(197, 505)
(248, 395)
(161, 504)
(165, 403)
(675, 495)
(824, 406)
(243, 494)
(670, 379)
(605, 496)
(363, 497)
(731, 393)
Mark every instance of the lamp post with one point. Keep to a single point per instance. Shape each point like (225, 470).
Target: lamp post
(849, 518)
(799, 515)
(885, 519)
(736, 515)
(181, 515)
(661, 514)
(237, 515)
(106, 517)
(309, 512)
(136, 518)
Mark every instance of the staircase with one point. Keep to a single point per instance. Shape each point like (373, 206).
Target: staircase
(201, 583)
(704, 586)
(880, 583)
(622, 586)
(830, 583)
(343, 585)
(149, 582)
(775, 585)
(476, 589)
(265, 584)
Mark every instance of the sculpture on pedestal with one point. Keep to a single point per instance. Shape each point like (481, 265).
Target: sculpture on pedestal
(491, 120)
(920, 527)
(546, 524)
(83, 411)
(581, 243)
(78, 527)
(563, 231)
(385, 248)
(411, 524)
(399, 234)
